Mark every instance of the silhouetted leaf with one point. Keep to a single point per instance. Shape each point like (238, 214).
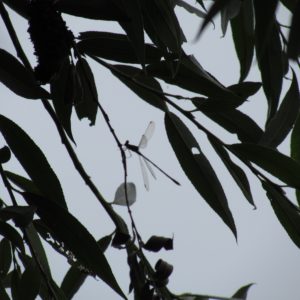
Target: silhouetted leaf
(75, 238)
(245, 89)
(74, 278)
(62, 92)
(16, 291)
(3, 293)
(32, 160)
(22, 215)
(18, 79)
(30, 282)
(282, 167)
(236, 172)
(156, 243)
(287, 213)
(289, 4)
(189, 8)
(4, 155)
(93, 9)
(230, 11)
(86, 107)
(163, 270)
(216, 7)
(242, 292)
(282, 122)
(146, 87)
(197, 168)
(268, 52)
(23, 183)
(293, 46)
(191, 76)
(19, 6)
(160, 17)
(5, 257)
(239, 123)
(115, 46)
(12, 235)
(242, 27)
(134, 28)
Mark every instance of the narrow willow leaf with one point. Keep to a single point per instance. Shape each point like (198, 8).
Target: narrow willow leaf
(295, 148)
(282, 167)
(3, 293)
(282, 122)
(269, 52)
(120, 195)
(236, 172)
(74, 278)
(5, 155)
(21, 215)
(238, 123)
(19, 6)
(242, 27)
(293, 46)
(191, 76)
(162, 19)
(10, 233)
(189, 8)
(93, 9)
(5, 257)
(75, 238)
(16, 291)
(146, 87)
(245, 89)
(230, 11)
(116, 47)
(242, 292)
(287, 213)
(62, 92)
(216, 7)
(23, 183)
(18, 79)
(30, 282)
(289, 4)
(198, 169)
(134, 28)
(32, 160)
(86, 107)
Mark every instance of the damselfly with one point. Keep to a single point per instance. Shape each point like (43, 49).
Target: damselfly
(145, 162)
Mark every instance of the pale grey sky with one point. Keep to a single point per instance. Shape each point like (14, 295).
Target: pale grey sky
(206, 258)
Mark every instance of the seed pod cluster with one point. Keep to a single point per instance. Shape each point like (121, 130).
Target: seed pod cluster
(50, 36)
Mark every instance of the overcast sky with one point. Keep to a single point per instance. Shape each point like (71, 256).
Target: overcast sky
(206, 257)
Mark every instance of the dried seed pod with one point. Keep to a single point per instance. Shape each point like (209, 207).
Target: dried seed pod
(50, 36)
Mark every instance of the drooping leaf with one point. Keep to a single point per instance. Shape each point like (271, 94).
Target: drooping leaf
(3, 293)
(16, 291)
(62, 92)
(120, 195)
(245, 89)
(18, 79)
(162, 270)
(86, 107)
(160, 17)
(93, 9)
(32, 160)
(30, 282)
(279, 165)
(238, 123)
(10, 233)
(22, 215)
(215, 8)
(146, 87)
(75, 238)
(242, 292)
(282, 122)
(19, 6)
(74, 278)
(191, 76)
(23, 183)
(156, 243)
(197, 168)
(189, 8)
(5, 155)
(293, 46)
(230, 11)
(134, 28)
(269, 52)
(5, 257)
(236, 172)
(287, 213)
(242, 27)
(116, 47)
